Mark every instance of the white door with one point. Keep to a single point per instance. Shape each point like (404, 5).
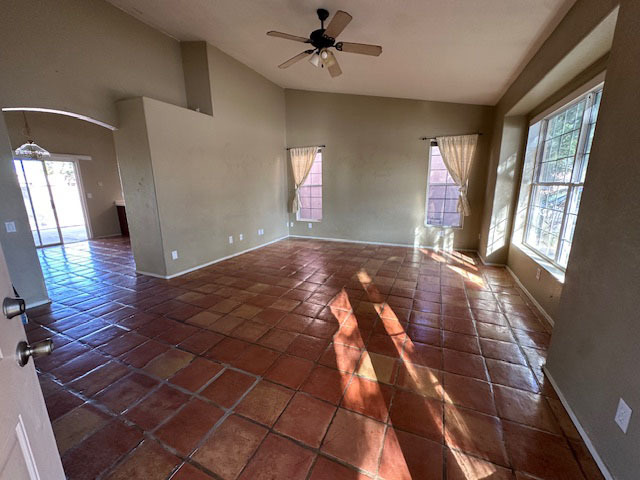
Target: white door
(27, 447)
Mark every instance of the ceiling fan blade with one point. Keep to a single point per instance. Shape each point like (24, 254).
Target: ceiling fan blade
(362, 48)
(288, 36)
(337, 24)
(295, 59)
(332, 65)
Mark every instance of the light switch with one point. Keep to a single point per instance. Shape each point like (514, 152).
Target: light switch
(174, 255)
(89, 195)
(10, 226)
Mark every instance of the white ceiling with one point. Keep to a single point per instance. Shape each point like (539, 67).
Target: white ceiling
(466, 51)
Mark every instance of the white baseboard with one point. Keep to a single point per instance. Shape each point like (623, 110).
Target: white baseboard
(198, 267)
(587, 441)
(385, 244)
(533, 300)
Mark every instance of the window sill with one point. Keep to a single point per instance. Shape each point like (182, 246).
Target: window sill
(442, 227)
(302, 220)
(542, 263)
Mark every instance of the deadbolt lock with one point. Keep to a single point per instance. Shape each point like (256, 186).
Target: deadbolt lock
(24, 351)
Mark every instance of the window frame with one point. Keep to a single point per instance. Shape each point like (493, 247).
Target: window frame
(426, 202)
(298, 217)
(573, 183)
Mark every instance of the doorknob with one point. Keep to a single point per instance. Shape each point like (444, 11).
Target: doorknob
(35, 350)
(12, 307)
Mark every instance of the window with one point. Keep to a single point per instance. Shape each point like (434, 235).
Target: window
(560, 154)
(311, 193)
(442, 194)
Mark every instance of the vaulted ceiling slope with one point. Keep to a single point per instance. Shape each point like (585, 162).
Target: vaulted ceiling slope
(465, 51)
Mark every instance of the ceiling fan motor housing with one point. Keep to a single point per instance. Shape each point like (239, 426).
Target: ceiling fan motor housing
(319, 40)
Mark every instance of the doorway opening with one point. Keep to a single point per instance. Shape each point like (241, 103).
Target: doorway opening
(54, 199)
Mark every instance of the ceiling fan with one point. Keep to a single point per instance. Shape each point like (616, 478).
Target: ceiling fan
(325, 38)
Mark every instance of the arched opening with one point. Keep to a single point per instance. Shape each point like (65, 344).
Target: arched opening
(68, 196)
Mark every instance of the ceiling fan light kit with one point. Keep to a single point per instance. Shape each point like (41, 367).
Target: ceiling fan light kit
(315, 60)
(323, 39)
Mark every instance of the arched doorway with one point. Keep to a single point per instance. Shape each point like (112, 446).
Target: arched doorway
(69, 188)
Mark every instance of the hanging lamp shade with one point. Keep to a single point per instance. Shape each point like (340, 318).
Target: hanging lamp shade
(31, 150)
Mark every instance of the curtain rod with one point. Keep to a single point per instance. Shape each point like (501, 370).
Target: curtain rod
(433, 138)
(319, 146)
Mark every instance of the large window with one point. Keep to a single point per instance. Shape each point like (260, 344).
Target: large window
(442, 194)
(311, 193)
(560, 155)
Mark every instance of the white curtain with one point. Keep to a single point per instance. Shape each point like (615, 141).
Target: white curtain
(301, 161)
(457, 154)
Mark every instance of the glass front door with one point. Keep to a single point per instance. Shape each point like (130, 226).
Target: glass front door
(52, 197)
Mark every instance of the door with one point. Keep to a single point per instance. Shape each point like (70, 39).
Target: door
(27, 446)
(52, 196)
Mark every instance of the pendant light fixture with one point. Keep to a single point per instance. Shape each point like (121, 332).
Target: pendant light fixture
(30, 150)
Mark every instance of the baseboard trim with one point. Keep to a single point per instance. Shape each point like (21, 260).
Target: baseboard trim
(489, 264)
(385, 244)
(111, 235)
(587, 441)
(546, 316)
(203, 265)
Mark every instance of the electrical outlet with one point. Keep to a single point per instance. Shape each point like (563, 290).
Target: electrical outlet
(89, 195)
(10, 227)
(623, 415)
(538, 272)
(291, 225)
(230, 238)
(174, 255)
(241, 237)
(310, 225)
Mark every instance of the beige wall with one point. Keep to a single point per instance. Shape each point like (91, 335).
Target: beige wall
(61, 134)
(139, 187)
(213, 177)
(595, 351)
(375, 165)
(546, 289)
(83, 55)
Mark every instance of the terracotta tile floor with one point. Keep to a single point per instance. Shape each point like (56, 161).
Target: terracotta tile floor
(300, 360)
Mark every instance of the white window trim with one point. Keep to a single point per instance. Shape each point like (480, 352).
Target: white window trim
(550, 264)
(300, 219)
(426, 200)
